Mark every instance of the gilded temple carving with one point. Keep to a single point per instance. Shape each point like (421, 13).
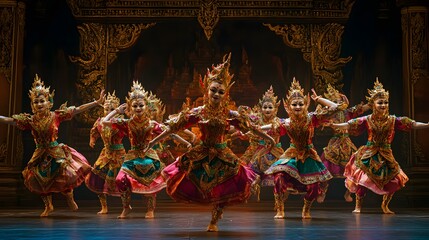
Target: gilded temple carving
(208, 12)
(419, 49)
(12, 22)
(101, 20)
(416, 73)
(320, 45)
(99, 45)
(208, 16)
(190, 8)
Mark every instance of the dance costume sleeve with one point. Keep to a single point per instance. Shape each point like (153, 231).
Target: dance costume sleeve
(120, 124)
(23, 121)
(358, 125)
(354, 111)
(184, 119)
(64, 113)
(403, 123)
(94, 134)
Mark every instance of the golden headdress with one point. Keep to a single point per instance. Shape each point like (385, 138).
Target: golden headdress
(333, 95)
(39, 88)
(269, 96)
(377, 92)
(219, 74)
(137, 91)
(112, 99)
(156, 107)
(295, 91)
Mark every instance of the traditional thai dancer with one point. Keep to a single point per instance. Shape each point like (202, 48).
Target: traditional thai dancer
(54, 167)
(337, 153)
(259, 153)
(373, 165)
(299, 169)
(141, 171)
(102, 178)
(210, 173)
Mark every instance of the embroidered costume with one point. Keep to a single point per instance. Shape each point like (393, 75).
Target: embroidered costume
(299, 169)
(102, 178)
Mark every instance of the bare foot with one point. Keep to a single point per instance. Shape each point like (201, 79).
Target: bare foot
(306, 215)
(103, 211)
(72, 205)
(357, 210)
(321, 198)
(386, 210)
(125, 213)
(47, 211)
(149, 214)
(212, 228)
(348, 197)
(279, 215)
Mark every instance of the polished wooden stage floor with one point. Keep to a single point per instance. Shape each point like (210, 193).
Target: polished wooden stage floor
(253, 220)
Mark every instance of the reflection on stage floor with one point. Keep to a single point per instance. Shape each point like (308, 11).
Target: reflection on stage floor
(186, 221)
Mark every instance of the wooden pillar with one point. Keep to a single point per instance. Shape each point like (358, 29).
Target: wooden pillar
(415, 57)
(11, 59)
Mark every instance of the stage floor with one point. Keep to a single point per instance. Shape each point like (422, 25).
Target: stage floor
(185, 221)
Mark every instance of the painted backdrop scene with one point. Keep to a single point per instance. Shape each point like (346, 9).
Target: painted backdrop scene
(80, 47)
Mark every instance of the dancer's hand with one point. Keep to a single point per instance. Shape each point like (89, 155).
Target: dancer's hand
(121, 109)
(101, 99)
(314, 95)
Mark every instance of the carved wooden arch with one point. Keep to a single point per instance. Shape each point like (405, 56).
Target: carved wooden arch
(104, 31)
(99, 44)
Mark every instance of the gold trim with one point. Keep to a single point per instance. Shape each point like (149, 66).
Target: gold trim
(208, 16)
(320, 45)
(99, 45)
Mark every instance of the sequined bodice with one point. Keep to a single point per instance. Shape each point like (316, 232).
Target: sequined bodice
(381, 131)
(213, 130)
(110, 134)
(301, 133)
(139, 133)
(44, 130)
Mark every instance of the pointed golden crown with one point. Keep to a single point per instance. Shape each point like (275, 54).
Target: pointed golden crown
(157, 108)
(295, 91)
(39, 88)
(269, 96)
(219, 74)
(332, 93)
(377, 91)
(112, 99)
(137, 91)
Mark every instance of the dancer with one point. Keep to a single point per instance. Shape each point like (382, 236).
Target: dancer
(141, 171)
(337, 153)
(101, 179)
(210, 173)
(54, 167)
(299, 169)
(373, 165)
(260, 154)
